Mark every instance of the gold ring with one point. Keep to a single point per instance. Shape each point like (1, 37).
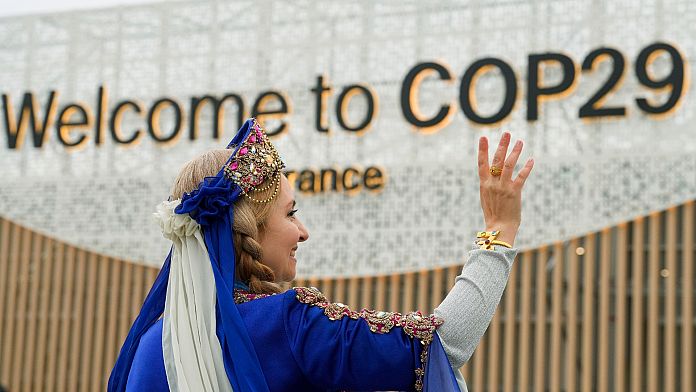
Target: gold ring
(496, 171)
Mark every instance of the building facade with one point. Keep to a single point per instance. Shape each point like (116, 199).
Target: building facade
(377, 108)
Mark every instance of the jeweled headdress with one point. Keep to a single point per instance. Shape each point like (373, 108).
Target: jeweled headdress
(254, 162)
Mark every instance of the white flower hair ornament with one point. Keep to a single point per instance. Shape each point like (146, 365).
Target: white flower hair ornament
(173, 224)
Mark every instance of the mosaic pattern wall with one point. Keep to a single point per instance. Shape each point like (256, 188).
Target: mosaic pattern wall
(588, 174)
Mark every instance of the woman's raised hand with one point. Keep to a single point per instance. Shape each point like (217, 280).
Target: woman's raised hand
(501, 196)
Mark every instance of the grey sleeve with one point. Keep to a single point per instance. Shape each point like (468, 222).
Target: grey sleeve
(471, 303)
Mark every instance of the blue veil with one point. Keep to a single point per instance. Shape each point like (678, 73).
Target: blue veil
(211, 206)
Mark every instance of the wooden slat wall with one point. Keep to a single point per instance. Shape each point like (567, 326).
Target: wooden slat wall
(609, 311)
(573, 256)
(63, 312)
(687, 368)
(539, 322)
(653, 271)
(588, 314)
(555, 367)
(525, 322)
(637, 330)
(620, 383)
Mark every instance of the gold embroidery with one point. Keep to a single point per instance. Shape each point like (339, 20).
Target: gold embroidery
(243, 296)
(414, 324)
(336, 311)
(379, 321)
(419, 326)
(309, 295)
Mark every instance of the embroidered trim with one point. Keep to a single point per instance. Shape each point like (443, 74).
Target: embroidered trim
(414, 324)
(243, 296)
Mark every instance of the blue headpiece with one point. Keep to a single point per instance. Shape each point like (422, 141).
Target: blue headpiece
(253, 163)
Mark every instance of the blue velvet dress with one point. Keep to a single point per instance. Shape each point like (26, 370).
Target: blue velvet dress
(305, 343)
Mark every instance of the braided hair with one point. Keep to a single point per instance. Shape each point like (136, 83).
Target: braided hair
(249, 221)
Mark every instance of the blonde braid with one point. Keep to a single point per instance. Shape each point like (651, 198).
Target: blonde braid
(257, 275)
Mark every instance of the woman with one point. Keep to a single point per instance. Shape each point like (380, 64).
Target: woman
(215, 319)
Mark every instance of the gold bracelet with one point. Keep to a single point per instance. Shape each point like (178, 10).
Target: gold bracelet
(486, 240)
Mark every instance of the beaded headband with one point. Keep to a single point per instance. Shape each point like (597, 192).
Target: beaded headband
(255, 161)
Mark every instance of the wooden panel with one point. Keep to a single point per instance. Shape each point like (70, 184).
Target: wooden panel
(353, 290)
(66, 316)
(21, 315)
(381, 294)
(524, 338)
(687, 308)
(38, 372)
(670, 328)
(125, 321)
(88, 320)
(557, 317)
(424, 292)
(588, 334)
(76, 320)
(653, 350)
(394, 293)
(366, 297)
(11, 305)
(604, 291)
(327, 287)
(57, 298)
(339, 291)
(139, 292)
(437, 294)
(494, 353)
(5, 278)
(36, 269)
(572, 306)
(637, 261)
(620, 353)
(409, 292)
(96, 381)
(113, 338)
(539, 366)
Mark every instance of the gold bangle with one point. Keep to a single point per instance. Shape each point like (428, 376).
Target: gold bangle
(501, 243)
(486, 240)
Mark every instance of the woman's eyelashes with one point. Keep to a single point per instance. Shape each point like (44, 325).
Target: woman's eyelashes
(292, 213)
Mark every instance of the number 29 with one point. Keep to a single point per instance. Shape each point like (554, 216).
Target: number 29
(674, 81)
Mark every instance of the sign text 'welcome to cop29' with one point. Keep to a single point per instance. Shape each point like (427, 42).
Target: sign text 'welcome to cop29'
(77, 124)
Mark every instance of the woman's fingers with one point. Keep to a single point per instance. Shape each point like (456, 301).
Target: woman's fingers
(483, 158)
(500, 153)
(511, 161)
(507, 164)
(524, 173)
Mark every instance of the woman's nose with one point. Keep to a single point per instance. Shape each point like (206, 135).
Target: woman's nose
(304, 234)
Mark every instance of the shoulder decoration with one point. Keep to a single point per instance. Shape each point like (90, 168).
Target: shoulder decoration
(243, 296)
(414, 324)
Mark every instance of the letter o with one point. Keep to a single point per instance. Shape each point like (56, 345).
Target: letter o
(467, 99)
